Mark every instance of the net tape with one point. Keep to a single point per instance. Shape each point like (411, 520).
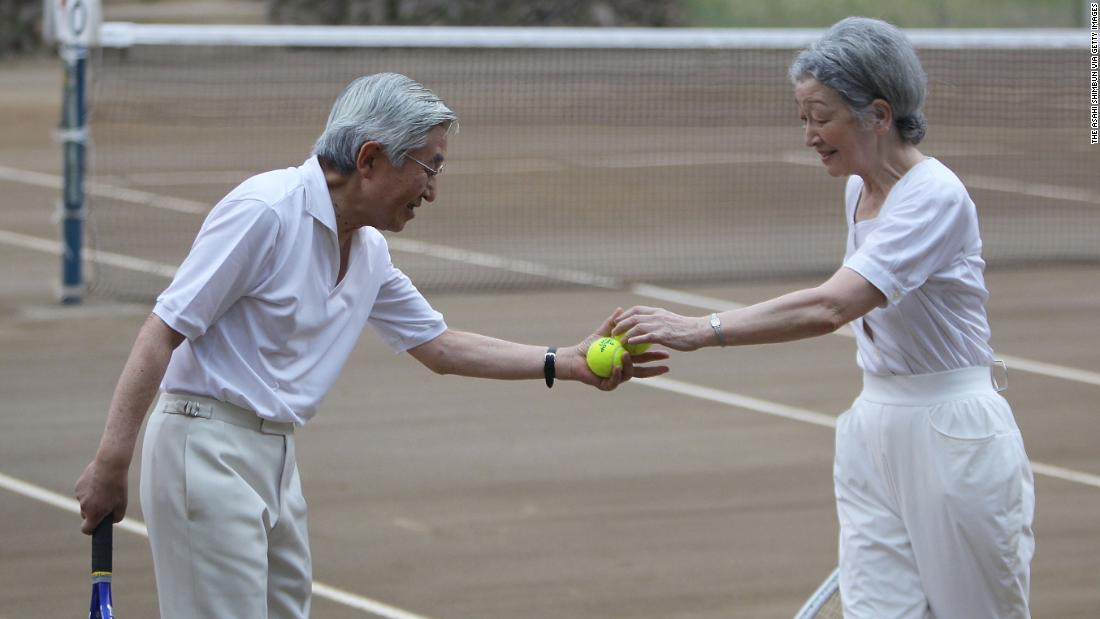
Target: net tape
(584, 155)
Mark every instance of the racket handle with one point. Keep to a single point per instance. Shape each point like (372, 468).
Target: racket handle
(101, 545)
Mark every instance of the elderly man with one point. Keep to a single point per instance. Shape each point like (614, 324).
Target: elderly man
(252, 333)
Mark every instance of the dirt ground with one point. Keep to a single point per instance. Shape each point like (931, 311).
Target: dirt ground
(454, 498)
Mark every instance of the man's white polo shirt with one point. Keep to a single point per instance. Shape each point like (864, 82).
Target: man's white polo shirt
(267, 325)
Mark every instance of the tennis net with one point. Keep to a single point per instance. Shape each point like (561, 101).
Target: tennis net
(585, 156)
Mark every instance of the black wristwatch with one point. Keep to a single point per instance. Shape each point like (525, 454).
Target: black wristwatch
(548, 365)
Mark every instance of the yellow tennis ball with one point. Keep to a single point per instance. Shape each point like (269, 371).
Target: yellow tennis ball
(633, 349)
(603, 355)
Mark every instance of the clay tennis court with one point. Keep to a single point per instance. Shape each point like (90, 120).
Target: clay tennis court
(708, 497)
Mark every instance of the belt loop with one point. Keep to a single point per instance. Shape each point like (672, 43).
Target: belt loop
(188, 408)
(268, 426)
(197, 409)
(999, 386)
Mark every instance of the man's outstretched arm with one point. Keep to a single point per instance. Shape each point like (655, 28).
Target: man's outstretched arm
(481, 356)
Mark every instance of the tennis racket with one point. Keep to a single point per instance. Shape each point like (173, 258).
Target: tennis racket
(101, 570)
(825, 602)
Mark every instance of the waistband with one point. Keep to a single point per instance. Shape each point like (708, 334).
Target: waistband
(209, 408)
(918, 389)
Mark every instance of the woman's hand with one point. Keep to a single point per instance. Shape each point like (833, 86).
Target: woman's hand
(572, 363)
(654, 325)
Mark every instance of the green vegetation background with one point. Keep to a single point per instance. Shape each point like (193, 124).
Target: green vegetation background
(929, 14)
(737, 13)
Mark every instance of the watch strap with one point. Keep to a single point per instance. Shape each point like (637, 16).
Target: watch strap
(548, 369)
(716, 325)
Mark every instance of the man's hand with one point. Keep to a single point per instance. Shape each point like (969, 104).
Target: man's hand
(573, 365)
(101, 490)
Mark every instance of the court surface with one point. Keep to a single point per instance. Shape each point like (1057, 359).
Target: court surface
(442, 497)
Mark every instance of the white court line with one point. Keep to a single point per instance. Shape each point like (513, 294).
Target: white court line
(68, 504)
(193, 177)
(668, 159)
(820, 419)
(512, 166)
(1037, 190)
(529, 268)
(103, 257)
(523, 165)
(134, 196)
(989, 183)
(145, 198)
(132, 525)
(720, 305)
(27, 177)
(387, 611)
(498, 262)
(684, 298)
(1049, 369)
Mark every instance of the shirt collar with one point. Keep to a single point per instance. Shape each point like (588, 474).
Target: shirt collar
(318, 199)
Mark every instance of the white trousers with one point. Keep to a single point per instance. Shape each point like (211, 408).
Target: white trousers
(223, 503)
(935, 498)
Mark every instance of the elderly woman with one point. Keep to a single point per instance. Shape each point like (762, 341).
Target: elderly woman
(934, 492)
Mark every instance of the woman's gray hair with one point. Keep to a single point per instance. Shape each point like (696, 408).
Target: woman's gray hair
(865, 59)
(387, 108)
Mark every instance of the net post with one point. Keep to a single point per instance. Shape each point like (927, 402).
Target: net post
(73, 135)
(75, 28)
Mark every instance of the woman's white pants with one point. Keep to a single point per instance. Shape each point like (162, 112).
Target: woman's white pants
(935, 498)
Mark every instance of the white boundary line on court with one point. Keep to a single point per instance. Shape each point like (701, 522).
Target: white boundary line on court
(510, 166)
(493, 261)
(387, 611)
(529, 268)
(133, 196)
(720, 305)
(991, 183)
(132, 525)
(49, 246)
(820, 419)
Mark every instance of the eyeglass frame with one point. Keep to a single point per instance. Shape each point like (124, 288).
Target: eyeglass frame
(432, 172)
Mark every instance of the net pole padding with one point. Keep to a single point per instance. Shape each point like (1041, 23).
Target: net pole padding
(74, 136)
(76, 25)
(125, 34)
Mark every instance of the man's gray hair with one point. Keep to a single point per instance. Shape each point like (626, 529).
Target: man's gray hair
(387, 108)
(865, 59)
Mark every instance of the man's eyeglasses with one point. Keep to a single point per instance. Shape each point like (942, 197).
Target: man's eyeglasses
(427, 168)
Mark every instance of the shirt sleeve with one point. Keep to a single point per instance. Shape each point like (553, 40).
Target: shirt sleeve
(921, 232)
(227, 260)
(402, 316)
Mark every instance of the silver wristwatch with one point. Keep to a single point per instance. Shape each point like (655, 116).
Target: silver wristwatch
(716, 324)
